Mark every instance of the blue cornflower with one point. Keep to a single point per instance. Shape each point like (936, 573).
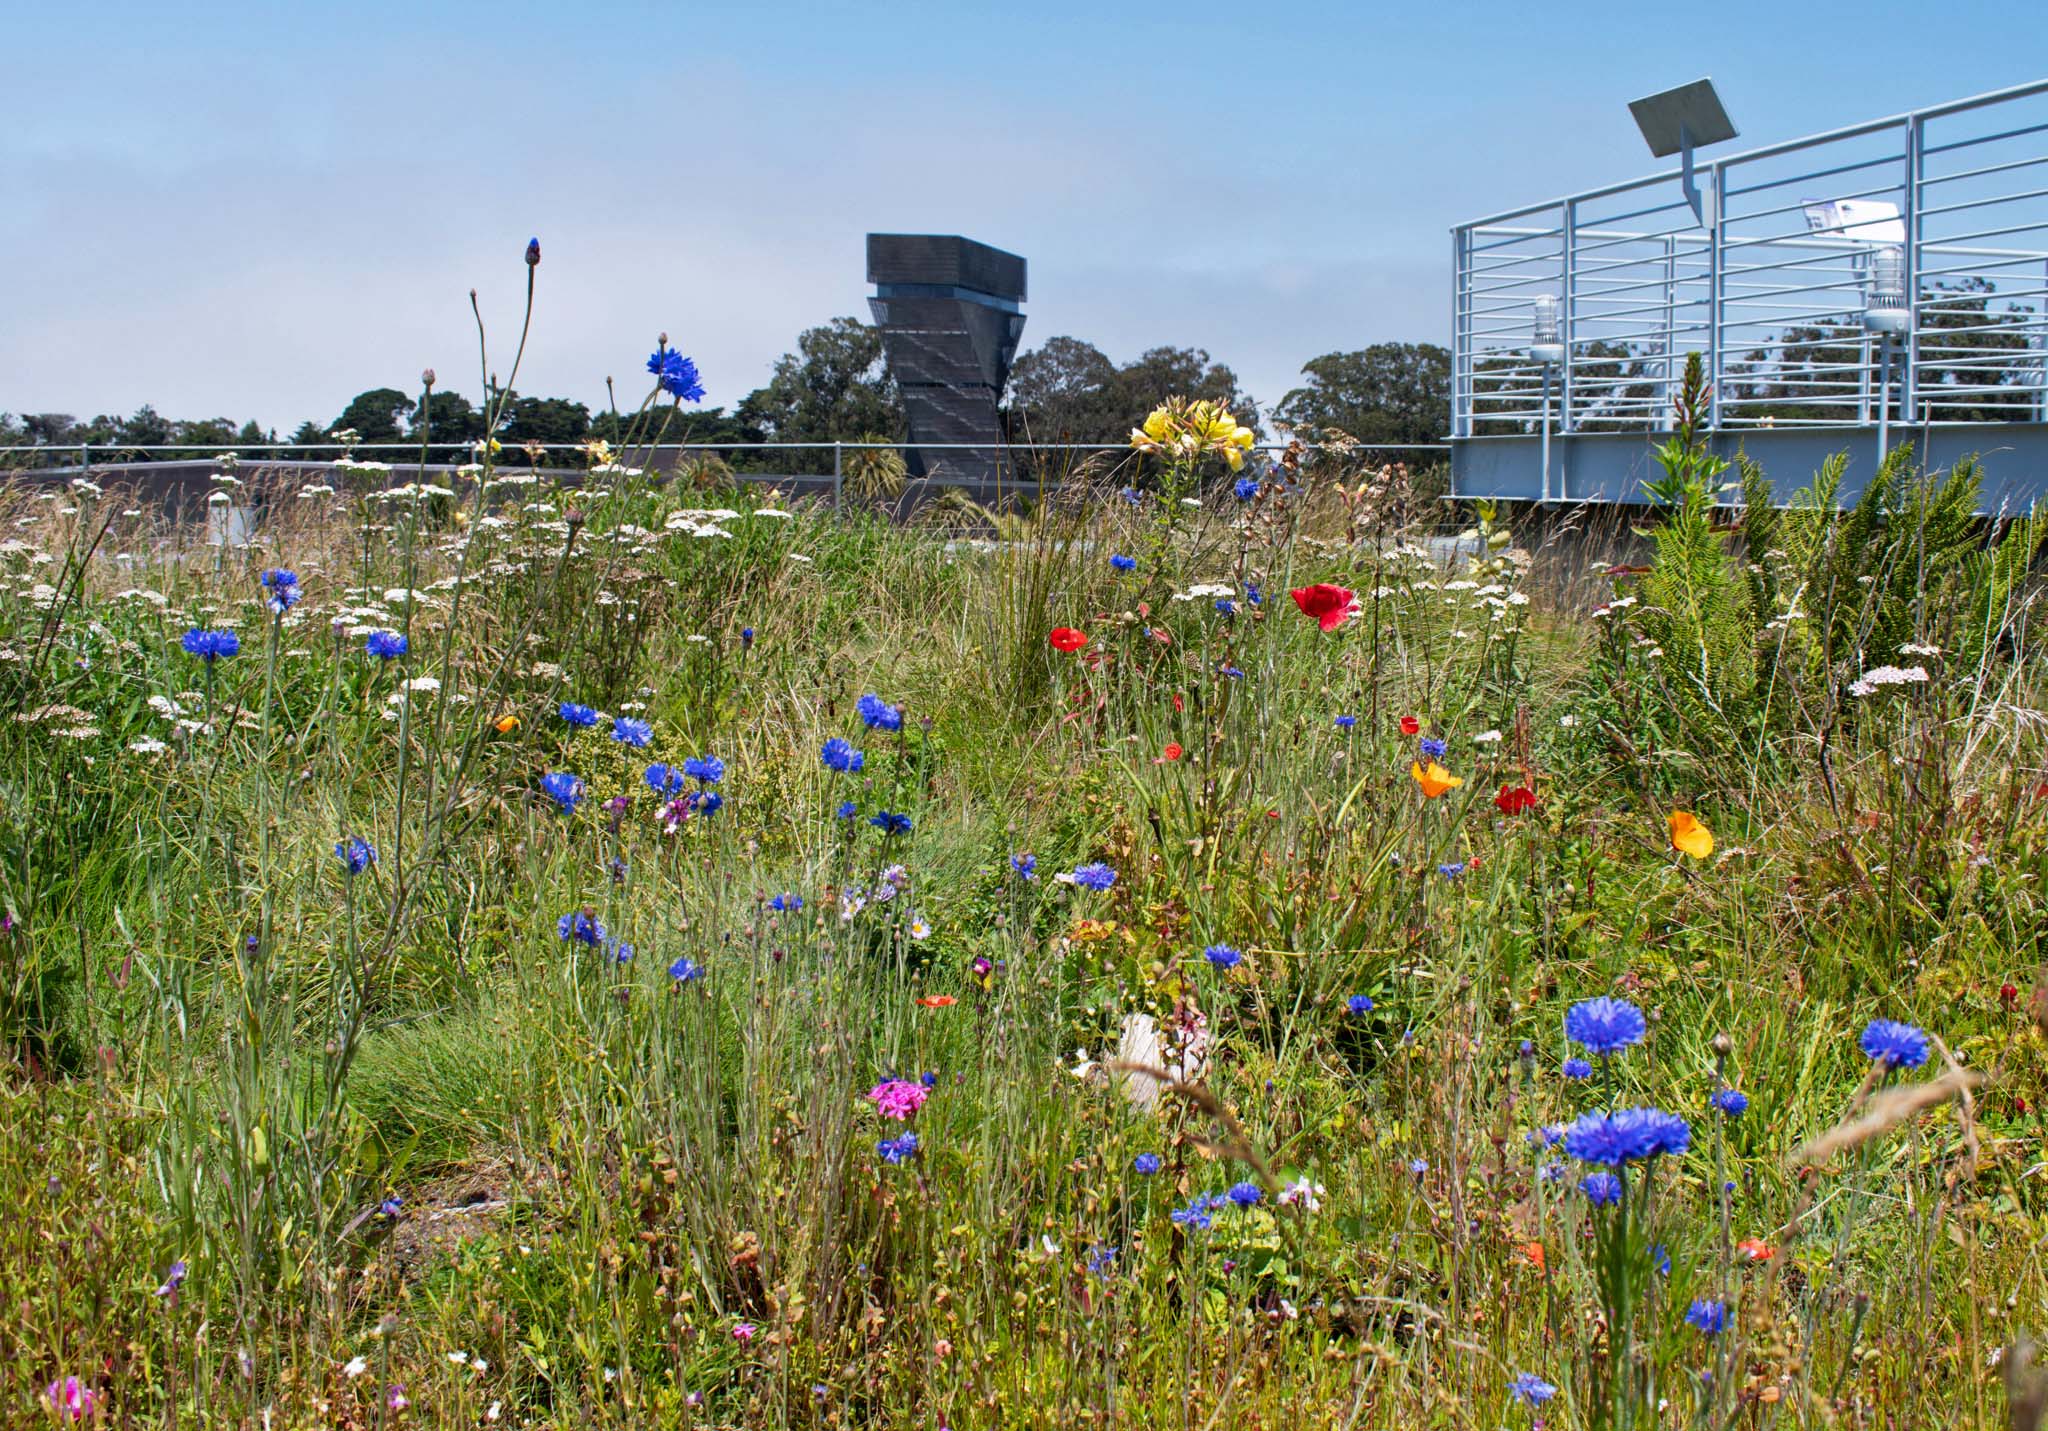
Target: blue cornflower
(706, 802)
(929, 1078)
(746, 636)
(1604, 1026)
(786, 903)
(1223, 956)
(1894, 1044)
(1433, 747)
(1451, 869)
(847, 810)
(1146, 1163)
(1551, 1172)
(1095, 875)
(1708, 1316)
(878, 714)
(1530, 1389)
(1601, 1189)
(1195, 1214)
(582, 717)
(1253, 594)
(636, 733)
(1418, 1166)
(283, 585)
(1102, 1261)
(890, 823)
(1225, 605)
(1576, 1068)
(1359, 1005)
(685, 969)
(1246, 488)
(677, 373)
(1660, 1258)
(663, 779)
(582, 926)
(622, 952)
(1233, 673)
(841, 756)
(390, 1206)
(357, 853)
(1631, 1134)
(1123, 563)
(704, 769)
(210, 646)
(1133, 496)
(1024, 866)
(1345, 722)
(386, 645)
(895, 1150)
(1731, 1101)
(1246, 1194)
(562, 788)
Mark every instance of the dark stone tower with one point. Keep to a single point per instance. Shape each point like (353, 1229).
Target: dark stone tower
(948, 311)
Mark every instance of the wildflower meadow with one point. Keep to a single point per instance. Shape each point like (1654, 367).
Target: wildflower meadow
(1236, 944)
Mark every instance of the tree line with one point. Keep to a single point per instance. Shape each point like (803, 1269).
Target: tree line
(834, 387)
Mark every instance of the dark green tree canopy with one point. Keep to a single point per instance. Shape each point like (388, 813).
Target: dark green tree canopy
(1387, 393)
(375, 416)
(834, 387)
(1067, 390)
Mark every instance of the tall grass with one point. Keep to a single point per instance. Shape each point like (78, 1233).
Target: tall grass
(423, 1158)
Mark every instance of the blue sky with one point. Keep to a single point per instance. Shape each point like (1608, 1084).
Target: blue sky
(258, 211)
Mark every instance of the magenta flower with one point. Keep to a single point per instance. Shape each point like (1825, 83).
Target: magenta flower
(71, 1399)
(898, 1098)
(743, 1333)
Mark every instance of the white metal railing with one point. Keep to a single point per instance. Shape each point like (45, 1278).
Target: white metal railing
(1782, 289)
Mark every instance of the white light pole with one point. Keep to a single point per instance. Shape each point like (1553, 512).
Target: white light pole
(1886, 315)
(1547, 349)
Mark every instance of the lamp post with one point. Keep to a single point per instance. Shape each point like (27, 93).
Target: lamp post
(1546, 348)
(1886, 315)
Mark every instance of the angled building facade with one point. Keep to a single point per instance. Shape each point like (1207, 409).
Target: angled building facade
(950, 316)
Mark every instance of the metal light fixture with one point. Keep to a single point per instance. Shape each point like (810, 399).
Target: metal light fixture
(1887, 317)
(1547, 349)
(1885, 310)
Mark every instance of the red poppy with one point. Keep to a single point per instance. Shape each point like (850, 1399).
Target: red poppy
(1514, 799)
(938, 1001)
(1178, 704)
(1331, 606)
(1410, 726)
(1756, 1251)
(1172, 751)
(1066, 638)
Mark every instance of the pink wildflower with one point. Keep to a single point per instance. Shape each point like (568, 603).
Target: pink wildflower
(743, 1333)
(71, 1399)
(898, 1098)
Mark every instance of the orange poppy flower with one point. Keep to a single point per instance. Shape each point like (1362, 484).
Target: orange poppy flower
(1756, 1251)
(506, 724)
(1434, 779)
(1533, 1251)
(938, 1001)
(1066, 638)
(1172, 751)
(1689, 836)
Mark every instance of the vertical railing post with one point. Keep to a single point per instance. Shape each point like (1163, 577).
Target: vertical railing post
(1663, 417)
(1717, 291)
(837, 477)
(1460, 279)
(1571, 314)
(1909, 389)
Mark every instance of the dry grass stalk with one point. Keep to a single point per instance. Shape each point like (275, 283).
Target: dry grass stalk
(1882, 1112)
